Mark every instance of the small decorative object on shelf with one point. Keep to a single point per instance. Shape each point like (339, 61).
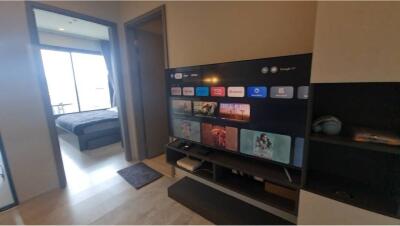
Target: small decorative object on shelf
(329, 125)
(376, 136)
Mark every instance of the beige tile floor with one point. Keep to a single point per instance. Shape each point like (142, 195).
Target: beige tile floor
(96, 194)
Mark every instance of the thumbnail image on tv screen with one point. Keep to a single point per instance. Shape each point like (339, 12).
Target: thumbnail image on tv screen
(186, 129)
(181, 107)
(224, 137)
(233, 111)
(271, 146)
(203, 108)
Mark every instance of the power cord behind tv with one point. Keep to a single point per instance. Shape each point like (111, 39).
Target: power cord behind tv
(288, 175)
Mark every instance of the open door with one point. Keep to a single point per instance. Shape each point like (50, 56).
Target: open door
(147, 47)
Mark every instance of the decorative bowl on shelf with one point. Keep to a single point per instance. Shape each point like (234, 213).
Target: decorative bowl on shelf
(328, 124)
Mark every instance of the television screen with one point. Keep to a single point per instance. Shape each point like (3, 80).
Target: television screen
(238, 112)
(265, 145)
(204, 108)
(186, 129)
(224, 137)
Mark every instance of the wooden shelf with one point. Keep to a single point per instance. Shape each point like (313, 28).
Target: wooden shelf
(344, 141)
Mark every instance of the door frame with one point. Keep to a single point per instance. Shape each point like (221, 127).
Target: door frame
(116, 62)
(134, 70)
(9, 177)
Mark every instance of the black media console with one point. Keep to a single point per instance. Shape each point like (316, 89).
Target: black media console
(224, 209)
(217, 168)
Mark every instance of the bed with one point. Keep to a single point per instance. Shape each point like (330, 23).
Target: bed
(90, 130)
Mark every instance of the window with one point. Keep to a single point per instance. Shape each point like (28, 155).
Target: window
(91, 81)
(76, 81)
(60, 81)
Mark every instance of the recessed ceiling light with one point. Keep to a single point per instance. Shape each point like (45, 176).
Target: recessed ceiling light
(61, 29)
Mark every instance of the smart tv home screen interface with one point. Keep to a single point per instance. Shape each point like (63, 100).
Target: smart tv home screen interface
(255, 108)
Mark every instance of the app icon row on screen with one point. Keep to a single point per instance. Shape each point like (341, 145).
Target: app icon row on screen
(273, 146)
(279, 92)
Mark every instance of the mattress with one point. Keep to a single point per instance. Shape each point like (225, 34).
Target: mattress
(88, 122)
(101, 126)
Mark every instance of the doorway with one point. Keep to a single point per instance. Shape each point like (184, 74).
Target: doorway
(148, 58)
(78, 60)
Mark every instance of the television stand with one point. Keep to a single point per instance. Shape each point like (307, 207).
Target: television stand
(222, 209)
(217, 170)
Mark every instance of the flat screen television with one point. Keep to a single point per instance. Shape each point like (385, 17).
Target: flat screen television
(255, 108)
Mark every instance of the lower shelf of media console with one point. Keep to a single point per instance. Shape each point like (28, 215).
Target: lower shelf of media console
(217, 168)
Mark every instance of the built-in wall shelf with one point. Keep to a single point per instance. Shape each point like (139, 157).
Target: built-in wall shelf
(362, 174)
(217, 168)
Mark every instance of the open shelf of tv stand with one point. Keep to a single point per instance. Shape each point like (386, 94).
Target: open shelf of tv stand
(269, 172)
(243, 185)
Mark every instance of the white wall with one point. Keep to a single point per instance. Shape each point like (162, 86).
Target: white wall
(23, 125)
(357, 42)
(212, 32)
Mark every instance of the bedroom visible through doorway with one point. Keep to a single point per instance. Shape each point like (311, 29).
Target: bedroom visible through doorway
(84, 105)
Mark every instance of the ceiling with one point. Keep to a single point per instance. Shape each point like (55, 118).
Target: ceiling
(61, 24)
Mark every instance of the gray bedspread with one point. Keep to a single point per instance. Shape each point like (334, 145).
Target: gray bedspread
(76, 122)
